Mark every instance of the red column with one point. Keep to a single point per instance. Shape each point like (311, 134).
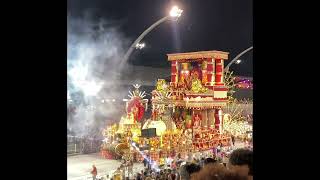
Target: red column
(222, 72)
(210, 73)
(174, 73)
(219, 72)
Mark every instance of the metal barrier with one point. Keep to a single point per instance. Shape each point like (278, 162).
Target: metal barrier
(73, 149)
(76, 145)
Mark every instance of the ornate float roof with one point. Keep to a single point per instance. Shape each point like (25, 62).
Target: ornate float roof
(192, 104)
(198, 55)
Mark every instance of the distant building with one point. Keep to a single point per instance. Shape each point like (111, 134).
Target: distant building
(244, 87)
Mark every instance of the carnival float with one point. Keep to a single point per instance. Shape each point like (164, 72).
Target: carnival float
(186, 112)
(118, 137)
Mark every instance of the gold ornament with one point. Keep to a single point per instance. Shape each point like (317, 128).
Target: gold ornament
(197, 86)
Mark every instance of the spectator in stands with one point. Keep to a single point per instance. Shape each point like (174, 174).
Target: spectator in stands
(219, 147)
(209, 161)
(162, 175)
(173, 164)
(217, 172)
(192, 168)
(117, 174)
(123, 171)
(142, 174)
(107, 177)
(194, 160)
(168, 161)
(225, 159)
(233, 139)
(184, 175)
(130, 167)
(139, 176)
(241, 161)
(187, 170)
(177, 175)
(173, 175)
(202, 161)
(179, 156)
(168, 175)
(145, 161)
(145, 174)
(153, 175)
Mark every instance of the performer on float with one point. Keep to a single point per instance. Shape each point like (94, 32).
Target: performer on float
(135, 111)
(195, 73)
(179, 123)
(188, 123)
(204, 72)
(197, 121)
(184, 73)
(136, 108)
(184, 76)
(154, 115)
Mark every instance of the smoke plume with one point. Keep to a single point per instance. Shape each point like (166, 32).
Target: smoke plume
(95, 51)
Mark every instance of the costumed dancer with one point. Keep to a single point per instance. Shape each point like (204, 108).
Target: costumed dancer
(94, 172)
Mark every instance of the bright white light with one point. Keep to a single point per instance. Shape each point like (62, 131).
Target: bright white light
(79, 75)
(91, 88)
(175, 12)
(102, 101)
(238, 61)
(113, 100)
(140, 45)
(68, 95)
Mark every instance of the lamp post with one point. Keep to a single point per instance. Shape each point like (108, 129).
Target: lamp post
(175, 13)
(236, 59)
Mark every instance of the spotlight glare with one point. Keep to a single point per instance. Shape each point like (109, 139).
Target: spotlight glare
(238, 61)
(140, 45)
(175, 12)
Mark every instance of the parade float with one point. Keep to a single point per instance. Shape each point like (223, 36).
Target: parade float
(194, 97)
(118, 137)
(187, 112)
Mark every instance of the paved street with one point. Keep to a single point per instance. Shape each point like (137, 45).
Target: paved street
(79, 166)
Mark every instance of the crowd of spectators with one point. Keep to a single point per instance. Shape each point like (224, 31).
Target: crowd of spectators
(238, 167)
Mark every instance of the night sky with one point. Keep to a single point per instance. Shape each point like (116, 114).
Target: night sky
(224, 25)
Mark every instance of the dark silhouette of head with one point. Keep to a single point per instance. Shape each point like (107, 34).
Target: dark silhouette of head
(241, 160)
